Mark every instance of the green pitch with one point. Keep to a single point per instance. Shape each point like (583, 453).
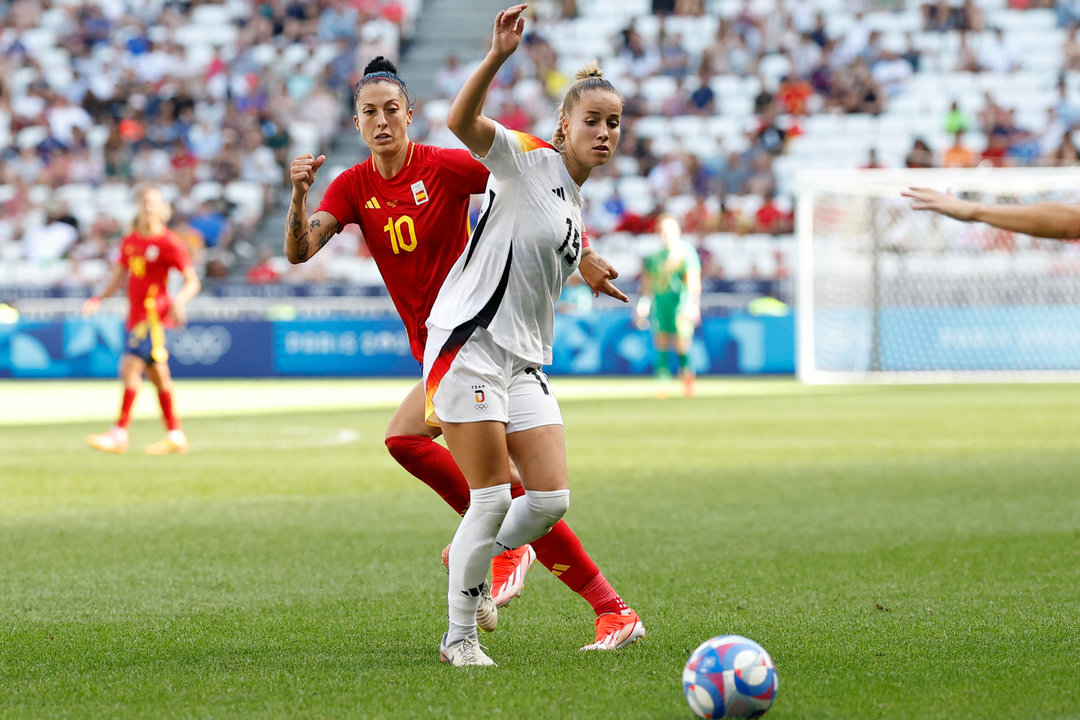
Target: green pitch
(903, 552)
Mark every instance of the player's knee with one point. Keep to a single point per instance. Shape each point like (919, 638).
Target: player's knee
(401, 447)
(552, 505)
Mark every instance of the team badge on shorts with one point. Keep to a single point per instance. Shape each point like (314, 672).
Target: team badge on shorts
(419, 192)
(479, 397)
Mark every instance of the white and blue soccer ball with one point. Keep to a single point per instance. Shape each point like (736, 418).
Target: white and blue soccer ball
(730, 677)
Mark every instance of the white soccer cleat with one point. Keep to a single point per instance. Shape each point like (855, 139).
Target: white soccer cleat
(487, 614)
(464, 653)
(508, 573)
(113, 440)
(617, 630)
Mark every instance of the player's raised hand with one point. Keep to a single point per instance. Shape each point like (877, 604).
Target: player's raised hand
(509, 27)
(945, 203)
(91, 306)
(598, 274)
(303, 170)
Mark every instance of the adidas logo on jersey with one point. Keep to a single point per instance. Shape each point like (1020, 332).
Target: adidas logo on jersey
(559, 191)
(372, 204)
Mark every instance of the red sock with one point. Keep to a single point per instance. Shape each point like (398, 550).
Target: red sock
(125, 408)
(433, 464)
(603, 598)
(562, 553)
(171, 421)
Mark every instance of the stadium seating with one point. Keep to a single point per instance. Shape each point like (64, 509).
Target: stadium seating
(210, 41)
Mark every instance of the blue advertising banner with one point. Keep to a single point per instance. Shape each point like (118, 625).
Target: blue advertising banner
(974, 338)
(601, 343)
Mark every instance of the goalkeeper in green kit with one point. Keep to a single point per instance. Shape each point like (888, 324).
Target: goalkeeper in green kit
(671, 301)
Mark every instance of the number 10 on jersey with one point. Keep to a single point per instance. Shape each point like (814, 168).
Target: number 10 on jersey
(402, 234)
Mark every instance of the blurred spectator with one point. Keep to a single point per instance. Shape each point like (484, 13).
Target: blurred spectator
(958, 155)
(956, 120)
(262, 271)
(1071, 50)
(872, 161)
(771, 219)
(53, 239)
(699, 218)
(891, 72)
(451, 76)
(212, 225)
(702, 100)
(997, 147)
(996, 54)
(1068, 12)
(674, 59)
(794, 94)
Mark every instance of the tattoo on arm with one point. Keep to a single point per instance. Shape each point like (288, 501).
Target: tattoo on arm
(326, 234)
(299, 234)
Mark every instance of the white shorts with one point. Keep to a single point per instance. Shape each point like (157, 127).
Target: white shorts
(468, 378)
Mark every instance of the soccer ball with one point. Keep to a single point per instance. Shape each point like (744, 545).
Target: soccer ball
(730, 677)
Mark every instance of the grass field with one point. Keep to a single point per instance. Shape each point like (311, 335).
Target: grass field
(903, 552)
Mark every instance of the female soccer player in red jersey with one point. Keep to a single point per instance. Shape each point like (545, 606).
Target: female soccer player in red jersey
(491, 330)
(146, 257)
(411, 202)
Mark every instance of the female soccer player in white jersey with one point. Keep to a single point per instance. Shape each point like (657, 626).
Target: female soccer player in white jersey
(411, 203)
(490, 330)
(1059, 221)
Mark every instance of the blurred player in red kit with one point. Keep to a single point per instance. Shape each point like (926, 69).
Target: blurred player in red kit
(147, 255)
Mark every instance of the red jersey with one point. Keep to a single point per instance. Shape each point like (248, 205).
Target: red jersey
(415, 224)
(148, 261)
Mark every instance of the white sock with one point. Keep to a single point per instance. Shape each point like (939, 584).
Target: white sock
(470, 556)
(531, 516)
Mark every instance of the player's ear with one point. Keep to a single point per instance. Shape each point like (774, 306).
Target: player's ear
(408, 117)
(356, 122)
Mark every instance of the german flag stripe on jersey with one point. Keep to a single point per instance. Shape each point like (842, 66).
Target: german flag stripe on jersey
(531, 142)
(441, 366)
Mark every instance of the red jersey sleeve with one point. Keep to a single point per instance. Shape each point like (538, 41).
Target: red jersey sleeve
(467, 173)
(339, 199)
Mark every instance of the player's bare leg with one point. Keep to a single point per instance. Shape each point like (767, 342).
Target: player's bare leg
(411, 442)
(662, 371)
(480, 450)
(174, 441)
(683, 345)
(115, 439)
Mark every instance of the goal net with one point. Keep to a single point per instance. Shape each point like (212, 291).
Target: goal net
(890, 294)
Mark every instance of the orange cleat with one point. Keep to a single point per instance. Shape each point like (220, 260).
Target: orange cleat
(508, 573)
(617, 630)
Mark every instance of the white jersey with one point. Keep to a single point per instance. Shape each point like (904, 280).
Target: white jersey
(526, 245)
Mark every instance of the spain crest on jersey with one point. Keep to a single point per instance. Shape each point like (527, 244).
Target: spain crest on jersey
(419, 192)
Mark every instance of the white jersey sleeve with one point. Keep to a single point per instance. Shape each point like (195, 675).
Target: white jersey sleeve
(511, 153)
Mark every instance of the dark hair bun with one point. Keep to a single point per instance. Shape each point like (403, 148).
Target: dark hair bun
(380, 64)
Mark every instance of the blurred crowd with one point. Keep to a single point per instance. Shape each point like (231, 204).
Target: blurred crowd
(213, 98)
(197, 95)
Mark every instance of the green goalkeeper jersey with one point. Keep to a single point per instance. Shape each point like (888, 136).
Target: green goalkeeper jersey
(667, 271)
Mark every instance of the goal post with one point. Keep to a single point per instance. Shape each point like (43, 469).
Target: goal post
(890, 294)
